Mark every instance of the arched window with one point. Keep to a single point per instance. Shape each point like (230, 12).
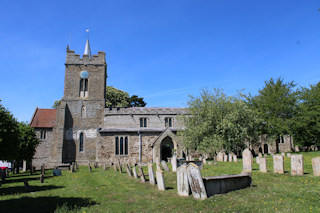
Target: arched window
(126, 145)
(121, 146)
(83, 91)
(117, 145)
(81, 141)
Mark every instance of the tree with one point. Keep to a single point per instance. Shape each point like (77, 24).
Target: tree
(307, 121)
(276, 104)
(216, 121)
(9, 134)
(135, 101)
(56, 104)
(27, 142)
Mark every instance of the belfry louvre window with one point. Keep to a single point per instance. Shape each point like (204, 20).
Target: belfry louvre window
(143, 122)
(83, 91)
(121, 145)
(81, 141)
(168, 122)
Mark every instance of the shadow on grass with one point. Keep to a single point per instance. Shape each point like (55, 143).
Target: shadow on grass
(169, 188)
(9, 180)
(21, 189)
(44, 204)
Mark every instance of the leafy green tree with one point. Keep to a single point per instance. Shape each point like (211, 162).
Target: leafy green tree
(27, 142)
(216, 121)
(307, 121)
(56, 104)
(277, 105)
(119, 98)
(9, 134)
(135, 101)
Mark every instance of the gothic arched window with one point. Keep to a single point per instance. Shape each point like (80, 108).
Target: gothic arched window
(81, 142)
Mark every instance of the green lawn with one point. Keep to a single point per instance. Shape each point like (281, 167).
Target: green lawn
(110, 191)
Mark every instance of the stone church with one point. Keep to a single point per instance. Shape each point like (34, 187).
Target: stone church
(82, 129)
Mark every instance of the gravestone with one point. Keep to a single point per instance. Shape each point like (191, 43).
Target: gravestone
(120, 168)
(289, 155)
(26, 185)
(158, 166)
(143, 179)
(220, 156)
(90, 169)
(260, 155)
(77, 167)
(265, 155)
(235, 158)
(257, 160)
(204, 160)
(115, 167)
(160, 180)
(225, 158)
(296, 148)
(104, 166)
(151, 174)
(296, 164)
(182, 181)
(316, 166)
(129, 171)
(56, 172)
(164, 165)
(43, 169)
(41, 178)
(263, 164)
(196, 182)
(209, 163)
(128, 164)
(278, 164)
(230, 157)
(174, 163)
(247, 160)
(134, 171)
(24, 166)
(283, 154)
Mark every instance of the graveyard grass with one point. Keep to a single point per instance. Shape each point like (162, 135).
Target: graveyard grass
(110, 191)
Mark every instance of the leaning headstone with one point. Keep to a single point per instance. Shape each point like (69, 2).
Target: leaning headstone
(289, 155)
(129, 171)
(143, 179)
(41, 178)
(174, 163)
(160, 180)
(26, 185)
(120, 168)
(263, 164)
(278, 164)
(296, 164)
(230, 157)
(296, 148)
(235, 158)
(225, 158)
(164, 165)
(316, 166)
(196, 182)
(151, 174)
(115, 167)
(220, 156)
(182, 181)
(134, 171)
(247, 160)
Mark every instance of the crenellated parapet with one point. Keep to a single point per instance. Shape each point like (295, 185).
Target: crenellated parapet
(74, 59)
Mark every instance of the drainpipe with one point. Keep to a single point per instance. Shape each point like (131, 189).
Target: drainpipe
(140, 146)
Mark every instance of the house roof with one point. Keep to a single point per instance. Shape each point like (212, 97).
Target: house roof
(145, 111)
(44, 118)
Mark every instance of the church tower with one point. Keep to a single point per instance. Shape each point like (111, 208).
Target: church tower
(80, 113)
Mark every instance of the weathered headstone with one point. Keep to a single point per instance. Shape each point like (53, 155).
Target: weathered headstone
(90, 169)
(174, 163)
(160, 180)
(158, 166)
(235, 158)
(26, 185)
(247, 160)
(220, 156)
(129, 171)
(230, 157)
(257, 160)
(41, 178)
(164, 165)
(151, 174)
(225, 158)
(196, 182)
(209, 162)
(263, 164)
(104, 166)
(143, 179)
(182, 181)
(204, 160)
(77, 167)
(260, 155)
(296, 164)
(265, 155)
(128, 164)
(115, 167)
(296, 148)
(24, 166)
(316, 166)
(278, 164)
(120, 168)
(134, 171)
(289, 155)
(283, 154)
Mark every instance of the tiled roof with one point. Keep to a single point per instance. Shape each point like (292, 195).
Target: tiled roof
(44, 118)
(145, 110)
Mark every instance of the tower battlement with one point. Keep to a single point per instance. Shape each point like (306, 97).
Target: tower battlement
(74, 59)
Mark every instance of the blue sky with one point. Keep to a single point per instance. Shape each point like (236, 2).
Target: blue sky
(160, 50)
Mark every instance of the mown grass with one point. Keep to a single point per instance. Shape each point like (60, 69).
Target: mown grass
(110, 191)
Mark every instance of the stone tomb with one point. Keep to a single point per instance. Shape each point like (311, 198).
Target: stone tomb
(247, 160)
(278, 164)
(316, 166)
(196, 182)
(296, 164)
(263, 165)
(165, 166)
(152, 180)
(160, 180)
(182, 181)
